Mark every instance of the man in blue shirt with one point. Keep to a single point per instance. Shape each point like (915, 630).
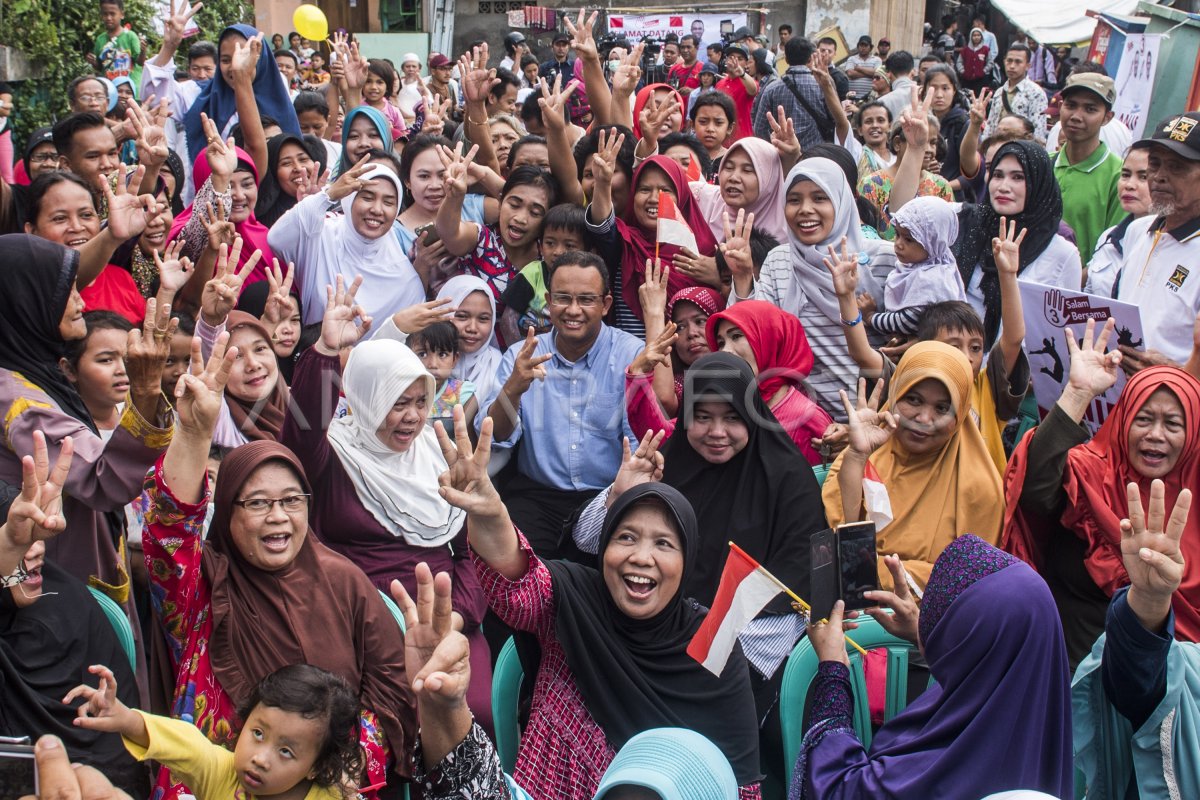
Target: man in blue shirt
(562, 396)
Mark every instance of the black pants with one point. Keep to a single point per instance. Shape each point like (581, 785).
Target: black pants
(541, 513)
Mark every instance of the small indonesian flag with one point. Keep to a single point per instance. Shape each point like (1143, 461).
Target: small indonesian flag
(672, 227)
(693, 172)
(745, 590)
(875, 498)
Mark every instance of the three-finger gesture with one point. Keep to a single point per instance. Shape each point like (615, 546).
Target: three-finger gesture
(655, 115)
(220, 294)
(979, 107)
(653, 292)
(643, 465)
(656, 352)
(529, 367)
(604, 162)
(200, 391)
(477, 79)
(1006, 248)
(36, 514)
(627, 75)
(349, 181)
(903, 622)
(553, 101)
(736, 247)
(582, 41)
(220, 230)
(128, 212)
(338, 327)
(418, 317)
(870, 428)
(280, 305)
(220, 153)
(177, 21)
(1093, 371)
(783, 136)
(1150, 542)
(436, 654)
(465, 483)
(147, 348)
(843, 267)
(174, 269)
(457, 166)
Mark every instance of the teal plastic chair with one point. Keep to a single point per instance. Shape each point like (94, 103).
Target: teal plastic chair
(507, 677)
(395, 609)
(801, 670)
(820, 473)
(120, 622)
(1028, 415)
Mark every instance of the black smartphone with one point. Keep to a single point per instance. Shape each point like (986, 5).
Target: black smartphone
(18, 770)
(857, 564)
(431, 229)
(823, 578)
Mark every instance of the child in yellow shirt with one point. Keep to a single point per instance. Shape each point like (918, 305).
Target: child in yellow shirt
(299, 741)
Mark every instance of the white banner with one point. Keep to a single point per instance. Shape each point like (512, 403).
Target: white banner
(1135, 80)
(705, 27)
(1048, 311)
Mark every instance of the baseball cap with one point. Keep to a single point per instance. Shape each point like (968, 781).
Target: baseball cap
(1179, 134)
(1098, 84)
(438, 60)
(562, 36)
(742, 33)
(865, 40)
(675, 763)
(733, 47)
(38, 137)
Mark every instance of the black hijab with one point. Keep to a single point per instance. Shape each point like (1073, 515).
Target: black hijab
(978, 224)
(174, 165)
(38, 278)
(45, 651)
(765, 498)
(273, 201)
(635, 675)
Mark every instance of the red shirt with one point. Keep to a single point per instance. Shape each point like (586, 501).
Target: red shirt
(682, 77)
(742, 103)
(114, 290)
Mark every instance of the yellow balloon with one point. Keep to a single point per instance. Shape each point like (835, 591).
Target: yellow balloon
(310, 23)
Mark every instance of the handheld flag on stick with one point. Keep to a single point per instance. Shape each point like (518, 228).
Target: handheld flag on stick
(745, 590)
(875, 498)
(672, 227)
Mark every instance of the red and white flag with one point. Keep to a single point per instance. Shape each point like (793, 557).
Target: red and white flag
(875, 498)
(745, 590)
(672, 227)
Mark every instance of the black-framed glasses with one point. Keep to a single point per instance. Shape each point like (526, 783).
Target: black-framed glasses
(563, 300)
(263, 505)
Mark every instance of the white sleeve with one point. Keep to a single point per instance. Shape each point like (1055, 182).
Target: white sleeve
(295, 235)
(160, 82)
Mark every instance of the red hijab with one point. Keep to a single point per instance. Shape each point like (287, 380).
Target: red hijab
(643, 97)
(638, 244)
(253, 232)
(1095, 478)
(777, 339)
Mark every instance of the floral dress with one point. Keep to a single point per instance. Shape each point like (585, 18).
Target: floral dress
(182, 600)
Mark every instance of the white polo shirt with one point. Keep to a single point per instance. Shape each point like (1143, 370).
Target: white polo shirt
(1161, 275)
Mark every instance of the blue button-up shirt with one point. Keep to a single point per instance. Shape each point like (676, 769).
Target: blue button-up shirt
(572, 422)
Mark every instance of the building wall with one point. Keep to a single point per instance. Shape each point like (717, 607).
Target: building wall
(275, 16)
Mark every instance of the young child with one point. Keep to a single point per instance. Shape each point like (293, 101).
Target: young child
(312, 110)
(377, 91)
(316, 75)
(299, 740)
(95, 366)
(117, 50)
(926, 271)
(1001, 386)
(437, 347)
(524, 300)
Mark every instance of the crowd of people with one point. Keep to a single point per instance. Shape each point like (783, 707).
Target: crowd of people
(336, 377)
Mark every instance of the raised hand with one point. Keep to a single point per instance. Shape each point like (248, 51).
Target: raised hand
(128, 212)
(200, 391)
(653, 292)
(436, 113)
(870, 428)
(176, 23)
(280, 305)
(220, 230)
(1150, 551)
(36, 514)
(582, 41)
(604, 162)
(783, 136)
(902, 623)
(436, 654)
(639, 466)
(736, 247)
(1006, 248)
(654, 115)
(465, 483)
(844, 269)
(220, 294)
(474, 76)
(174, 270)
(656, 352)
(349, 181)
(148, 136)
(625, 79)
(313, 183)
(220, 153)
(553, 101)
(338, 328)
(1093, 371)
(146, 351)
(419, 317)
(244, 62)
(915, 122)
(457, 166)
(357, 66)
(529, 367)
(979, 107)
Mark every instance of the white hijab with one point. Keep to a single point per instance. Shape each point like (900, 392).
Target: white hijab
(812, 280)
(933, 223)
(399, 489)
(481, 366)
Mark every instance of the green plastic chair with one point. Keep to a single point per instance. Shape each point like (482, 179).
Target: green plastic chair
(1028, 415)
(801, 670)
(120, 622)
(395, 609)
(820, 473)
(507, 677)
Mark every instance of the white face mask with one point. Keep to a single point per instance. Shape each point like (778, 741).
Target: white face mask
(614, 65)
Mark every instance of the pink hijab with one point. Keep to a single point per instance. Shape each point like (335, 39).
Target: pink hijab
(768, 208)
(253, 232)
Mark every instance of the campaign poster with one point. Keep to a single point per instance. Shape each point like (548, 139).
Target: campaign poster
(1135, 80)
(705, 27)
(1048, 312)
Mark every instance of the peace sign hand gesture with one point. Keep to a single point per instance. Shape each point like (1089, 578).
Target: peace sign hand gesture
(1151, 554)
(465, 483)
(979, 107)
(36, 514)
(915, 122)
(220, 153)
(870, 428)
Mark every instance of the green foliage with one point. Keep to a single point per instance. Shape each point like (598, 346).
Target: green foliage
(220, 14)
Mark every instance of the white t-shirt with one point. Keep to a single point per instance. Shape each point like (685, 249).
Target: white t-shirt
(1161, 275)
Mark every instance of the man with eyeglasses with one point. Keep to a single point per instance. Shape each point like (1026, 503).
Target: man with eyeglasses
(86, 93)
(561, 396)
(40, 157)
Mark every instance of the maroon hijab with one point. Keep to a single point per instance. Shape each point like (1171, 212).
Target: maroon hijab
(320, 609)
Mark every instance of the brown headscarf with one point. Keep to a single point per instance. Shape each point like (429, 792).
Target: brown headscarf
(321, 610)
(261, 419)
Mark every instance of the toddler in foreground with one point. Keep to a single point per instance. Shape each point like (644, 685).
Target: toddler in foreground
(299, 740)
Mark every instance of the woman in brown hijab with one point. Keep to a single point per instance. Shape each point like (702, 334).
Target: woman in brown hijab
(261, 592)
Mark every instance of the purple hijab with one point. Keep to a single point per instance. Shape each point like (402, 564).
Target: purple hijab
(999, 717)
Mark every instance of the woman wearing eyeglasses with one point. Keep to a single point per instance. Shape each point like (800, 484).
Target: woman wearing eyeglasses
(260, 592)
(375, 470)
